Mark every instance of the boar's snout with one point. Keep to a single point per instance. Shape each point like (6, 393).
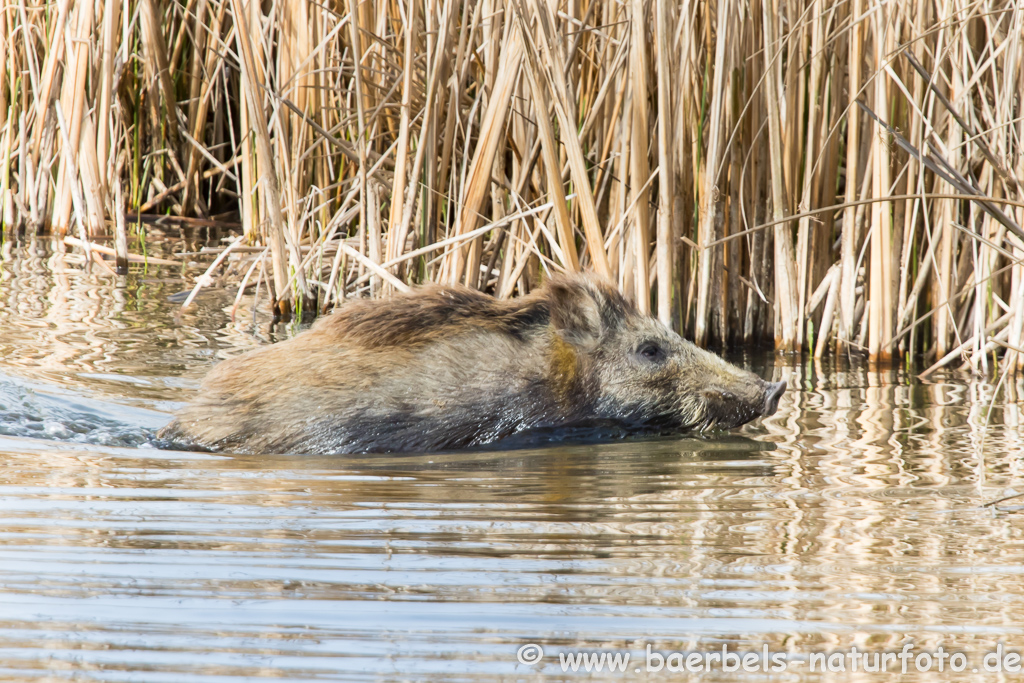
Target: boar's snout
(773, 392)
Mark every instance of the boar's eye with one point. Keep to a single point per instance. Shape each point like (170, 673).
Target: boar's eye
(650, 351)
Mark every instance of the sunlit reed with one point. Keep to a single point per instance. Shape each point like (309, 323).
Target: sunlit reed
(825, 175)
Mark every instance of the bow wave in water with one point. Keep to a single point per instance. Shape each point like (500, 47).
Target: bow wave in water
(43, 411)
(873, 512)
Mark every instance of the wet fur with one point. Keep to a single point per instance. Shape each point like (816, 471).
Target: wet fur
(447, 367)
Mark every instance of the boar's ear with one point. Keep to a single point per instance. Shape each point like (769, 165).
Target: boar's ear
(583, 309)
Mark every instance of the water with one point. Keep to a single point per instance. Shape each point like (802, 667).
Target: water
(858, 516)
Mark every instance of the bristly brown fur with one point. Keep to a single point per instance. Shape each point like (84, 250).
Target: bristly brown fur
(430, 313)
(446, 367)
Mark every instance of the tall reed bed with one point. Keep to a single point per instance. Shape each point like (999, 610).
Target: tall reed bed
(825, 174)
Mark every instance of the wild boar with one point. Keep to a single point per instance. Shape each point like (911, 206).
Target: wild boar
(448, 368)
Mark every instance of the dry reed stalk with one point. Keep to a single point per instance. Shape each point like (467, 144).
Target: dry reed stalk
(944, 210)
(8, 81)
(197, 106)
(132, 258)
(396, 240)
(665, 245)
(69, 161)
(156, 47)
(710, 191)
(566, 112)
(492, 129)
(6, 197)
(1014, 361)
(362, 100)
(785, 296)
(254, 107)
(248, 204)
(43, 85)
(427, 125)
(880, 321)
(810, 153)
(640, 168)
(374, 245)
(73, 99)
(89, 172)
(552, 163)
(121, 255)
(847, 300)
(438, 117)
(833, 279)
(104, 123)
(206, 278)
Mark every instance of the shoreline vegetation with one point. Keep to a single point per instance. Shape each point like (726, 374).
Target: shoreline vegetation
(831, 176)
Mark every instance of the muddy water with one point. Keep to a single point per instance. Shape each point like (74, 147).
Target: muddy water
(854, 518)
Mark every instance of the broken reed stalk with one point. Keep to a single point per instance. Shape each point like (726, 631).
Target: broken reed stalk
(710, 158)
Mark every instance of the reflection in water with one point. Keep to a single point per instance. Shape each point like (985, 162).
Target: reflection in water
(120, 336)
(854, 517)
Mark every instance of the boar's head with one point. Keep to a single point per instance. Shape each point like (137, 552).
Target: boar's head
(631, 368)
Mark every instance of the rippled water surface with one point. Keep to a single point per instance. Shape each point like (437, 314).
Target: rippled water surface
(874, 510)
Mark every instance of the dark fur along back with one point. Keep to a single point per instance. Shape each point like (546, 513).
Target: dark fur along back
(431, 313)
(446, 367)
